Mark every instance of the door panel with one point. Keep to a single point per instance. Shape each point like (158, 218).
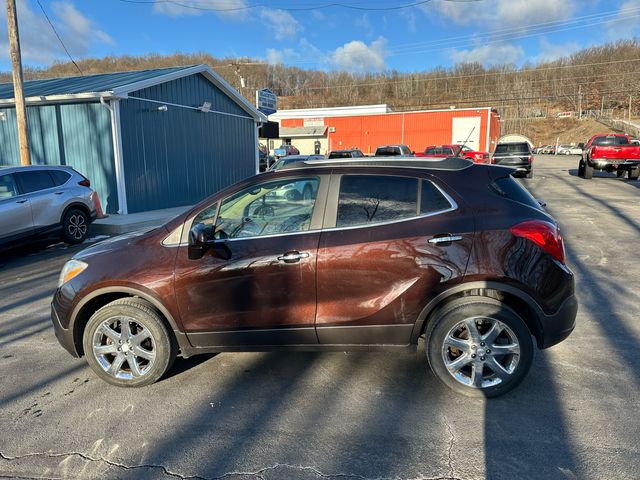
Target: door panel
(46, 199)
(15, 210)
(256, 284)
(373, 281)
(241, 288)
(466, 127)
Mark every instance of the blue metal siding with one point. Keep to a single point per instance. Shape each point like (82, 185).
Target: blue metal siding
(180, 156)
(78, 135)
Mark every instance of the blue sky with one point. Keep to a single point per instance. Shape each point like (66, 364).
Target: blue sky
(372, 35)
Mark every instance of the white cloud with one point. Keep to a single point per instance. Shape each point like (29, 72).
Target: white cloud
(553, 51)
(503, 13)
(627, 25)
(230, 8)
(356, 56)
(39, 43)
(281, 22)
(489, 54)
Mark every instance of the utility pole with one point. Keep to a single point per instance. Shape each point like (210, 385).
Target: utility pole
(580, 102)
(602, 106)
(16, 63)
(629, 108)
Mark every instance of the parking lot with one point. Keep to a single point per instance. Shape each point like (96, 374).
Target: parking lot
(337, 415)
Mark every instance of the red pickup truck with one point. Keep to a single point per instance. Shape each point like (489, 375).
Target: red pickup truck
(611, 153)
(443, 151)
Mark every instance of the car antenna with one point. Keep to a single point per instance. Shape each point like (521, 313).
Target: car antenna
(465, 142)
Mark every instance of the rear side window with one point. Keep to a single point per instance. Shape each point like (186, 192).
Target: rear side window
(509, 187)
(340, 155)
(35, 180)
(513, 148)
(432, 200)
(431, 151)
(610, 140)
(366, 199)
(59, 177)
(388, 152)
(8, 187)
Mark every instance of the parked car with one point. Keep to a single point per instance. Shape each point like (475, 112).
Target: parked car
(281, 162)
(393, 151)
(352, 153)
(45, 203)
(265, 160)
(517, 155)
(569, 150)
(443, 151)
(611, 153)
(285, 150)
(454, 252)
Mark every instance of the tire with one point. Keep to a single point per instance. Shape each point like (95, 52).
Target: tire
(529, 174)
(152, 354)
(634, 173)
(581, 169)
(451, 322)
(75, 226)
(588, 171)
(620, 173)
(567, 152)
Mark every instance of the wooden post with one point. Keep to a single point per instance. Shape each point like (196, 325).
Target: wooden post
(16, 63)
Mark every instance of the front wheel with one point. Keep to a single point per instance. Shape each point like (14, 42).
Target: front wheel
(479, 347)
(128, 344)
(581, 169)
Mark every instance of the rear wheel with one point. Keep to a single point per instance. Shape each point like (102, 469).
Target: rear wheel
(128, 344)
(581, 168)
(634, 173)
(529, 174)
(619, 173)
(75, 226)
(479, 347)
(588, 170)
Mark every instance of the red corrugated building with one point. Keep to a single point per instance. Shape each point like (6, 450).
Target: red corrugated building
(348, 127)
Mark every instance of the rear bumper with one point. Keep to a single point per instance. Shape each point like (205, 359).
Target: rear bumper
(617, 163)
(558, 326)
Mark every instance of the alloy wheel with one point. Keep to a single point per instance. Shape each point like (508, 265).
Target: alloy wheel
(124, 348)
(481, 352)
(77, 227)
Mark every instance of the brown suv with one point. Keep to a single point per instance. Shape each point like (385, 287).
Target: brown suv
(383, 252)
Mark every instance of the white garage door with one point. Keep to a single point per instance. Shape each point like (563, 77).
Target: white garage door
(466, 127)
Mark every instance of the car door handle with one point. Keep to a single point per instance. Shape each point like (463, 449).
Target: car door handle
(292, 257)
(22, 201)
(58, 193)
(445, 239)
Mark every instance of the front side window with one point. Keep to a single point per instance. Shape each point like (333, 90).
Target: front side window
(276, 207)
(8, 187)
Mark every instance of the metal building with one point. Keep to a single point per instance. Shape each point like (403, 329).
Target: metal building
(147, 139)
(368, 126)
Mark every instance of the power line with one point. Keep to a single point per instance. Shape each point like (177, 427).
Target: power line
(59, 38)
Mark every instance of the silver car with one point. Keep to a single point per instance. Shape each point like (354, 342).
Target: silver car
(45, 202)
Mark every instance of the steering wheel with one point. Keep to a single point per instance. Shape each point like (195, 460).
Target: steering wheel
(264, 211)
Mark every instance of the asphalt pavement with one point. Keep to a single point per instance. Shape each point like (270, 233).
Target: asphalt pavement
(343, 416)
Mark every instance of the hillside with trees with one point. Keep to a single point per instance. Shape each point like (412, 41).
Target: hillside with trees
(598, 78)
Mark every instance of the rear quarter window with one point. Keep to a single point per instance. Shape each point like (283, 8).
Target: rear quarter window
(59, 177)
(512, 189)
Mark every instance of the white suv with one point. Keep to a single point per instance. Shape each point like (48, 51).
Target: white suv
(45, 202)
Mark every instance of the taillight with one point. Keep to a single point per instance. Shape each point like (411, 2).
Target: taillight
(531, 159)
(84, 182)
(544, 234)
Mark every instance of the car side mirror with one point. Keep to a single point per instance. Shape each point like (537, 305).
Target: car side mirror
(198, 243)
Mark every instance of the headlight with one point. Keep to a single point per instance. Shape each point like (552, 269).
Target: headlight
(70, 270)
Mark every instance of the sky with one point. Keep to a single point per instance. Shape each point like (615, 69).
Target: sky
(357, 36)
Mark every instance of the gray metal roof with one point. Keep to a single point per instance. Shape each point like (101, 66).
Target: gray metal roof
(104, 82)
(117, 85)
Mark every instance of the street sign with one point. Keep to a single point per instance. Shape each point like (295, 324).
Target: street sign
(266, 101)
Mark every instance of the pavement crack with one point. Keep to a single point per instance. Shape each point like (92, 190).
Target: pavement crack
(452, 444)
(111, 463)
